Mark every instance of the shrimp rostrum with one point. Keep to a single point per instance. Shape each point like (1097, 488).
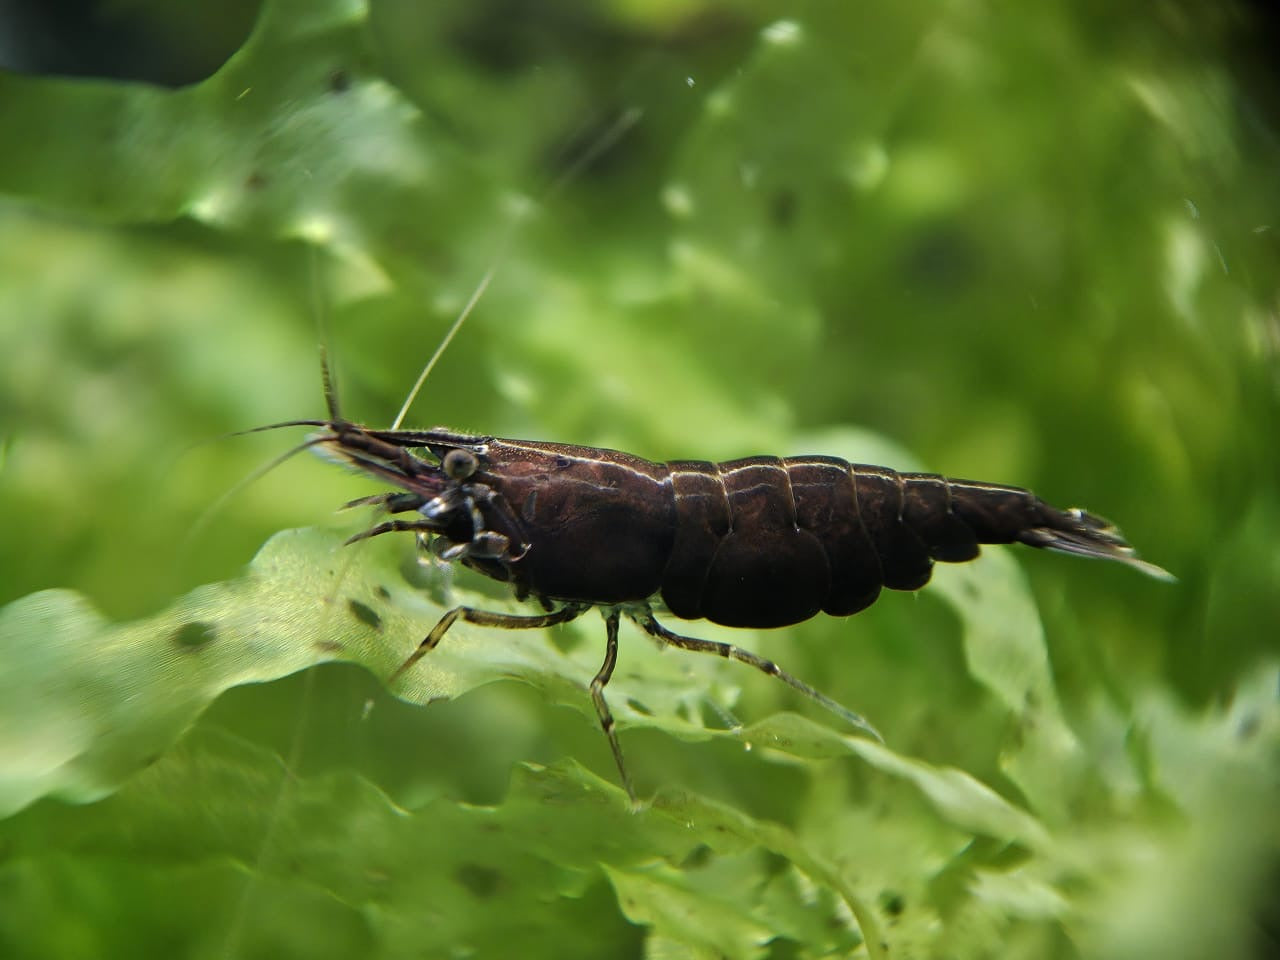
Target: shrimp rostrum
(759, 542)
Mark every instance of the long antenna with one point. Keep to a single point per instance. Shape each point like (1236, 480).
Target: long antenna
(615, 131)
(211, 511)
(320, 303)
(330, 385)
(476, 294)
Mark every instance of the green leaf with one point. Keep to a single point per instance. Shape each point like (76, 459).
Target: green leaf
(290, 138)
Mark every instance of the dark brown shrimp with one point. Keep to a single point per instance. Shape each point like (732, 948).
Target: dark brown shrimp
(759, 542)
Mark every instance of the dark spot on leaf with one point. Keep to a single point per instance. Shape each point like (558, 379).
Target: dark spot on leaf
(782, 208)
(942, 260)
(255, 180)
(1249, 725)
(192, 636)
(339, 81)
(699, 856)
(969, 589)
(566, 641)
(691, 712)
(780, 948)
(892, 903)
(383, 592)
(365, 614)
(328, 646)
(1018, 736)
(639, 707)
(774, 864)
(481, 881)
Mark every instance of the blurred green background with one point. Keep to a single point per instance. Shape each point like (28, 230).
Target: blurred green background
(1033, 244)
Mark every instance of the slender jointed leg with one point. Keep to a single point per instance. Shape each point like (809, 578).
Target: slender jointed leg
(485, 619)
(393, 502)
(390, 526)
(651, 626)
(602, 707)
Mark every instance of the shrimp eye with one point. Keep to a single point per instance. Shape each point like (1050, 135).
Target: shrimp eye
(460, 464)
